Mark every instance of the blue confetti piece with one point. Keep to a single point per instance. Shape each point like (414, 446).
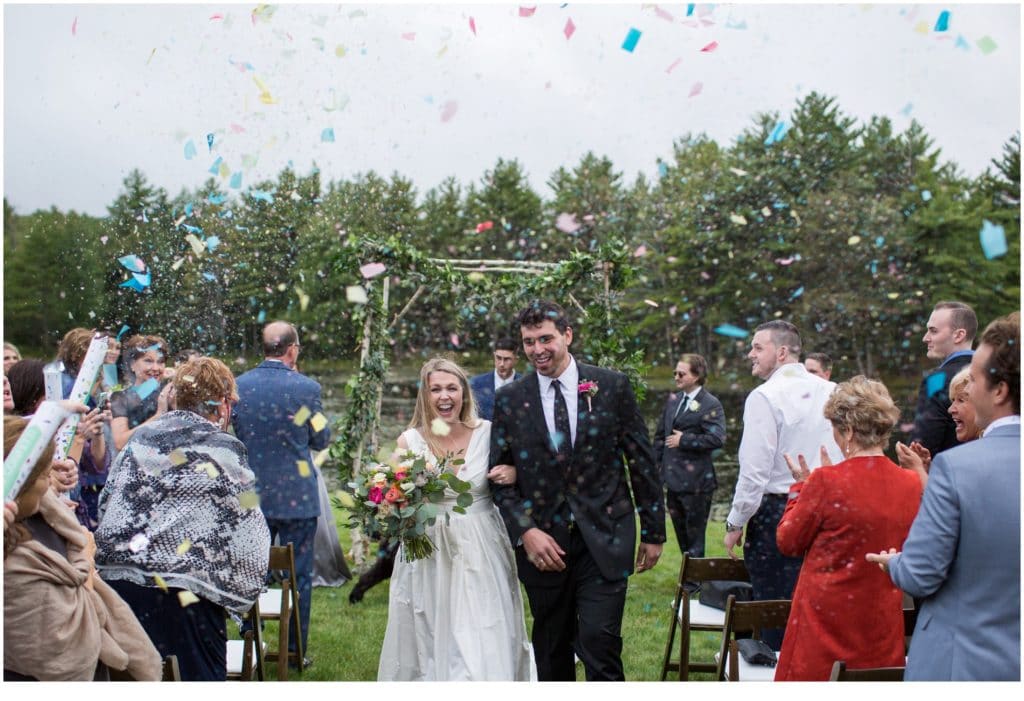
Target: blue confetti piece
(188, 209)
(212, 243)
(942, 24)
(109, 374)
(631, 39)
(906, 109)
(261, 195)
(236, 180)
(146, 388)
(123, 331)
(935, 383)
(210, 276)
(961, 43)
(874, 267)
(261, 317)
(731, 331)
(777, 133)
(689, 8)
(216, 199)
(879, 241)
(662, 169)
(797, 292)
(209, 142)
(993, 240)
(190, 150)
(132, 283)
(215, 168)
(327, 135)
(926, 195)
(193, 229)
(143, 279)
(132, 263)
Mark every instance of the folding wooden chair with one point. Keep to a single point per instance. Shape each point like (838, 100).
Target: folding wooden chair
(282, 605)
(246, 656)
(752, 617)
(876, 674)
(690, 615)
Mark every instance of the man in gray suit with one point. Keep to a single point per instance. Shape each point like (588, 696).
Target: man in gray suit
(963, 552)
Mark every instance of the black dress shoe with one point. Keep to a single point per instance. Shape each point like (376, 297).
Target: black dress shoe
(356, 595)
(306, 662)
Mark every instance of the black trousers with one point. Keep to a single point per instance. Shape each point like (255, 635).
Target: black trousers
(582, 616)
(772, 574)
(689, 512)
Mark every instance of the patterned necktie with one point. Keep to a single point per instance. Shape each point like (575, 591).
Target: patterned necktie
(563, 435)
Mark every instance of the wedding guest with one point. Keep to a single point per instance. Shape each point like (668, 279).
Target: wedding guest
(962, 557)
(146, 399)
(819, 364)
(27, 385)
(457, 615)
(8, 397)
(61, 621)
(11, 355)
(485, 385)
(180, 537)
(843, 607)
(183, 356)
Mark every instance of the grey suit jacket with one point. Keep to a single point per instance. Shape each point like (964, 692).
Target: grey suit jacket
(689, 468)
(963, 558)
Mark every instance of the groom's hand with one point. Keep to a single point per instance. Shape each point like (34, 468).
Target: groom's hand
(542, 551)
(647, 556)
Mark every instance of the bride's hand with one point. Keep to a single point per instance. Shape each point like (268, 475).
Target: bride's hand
(502, 474)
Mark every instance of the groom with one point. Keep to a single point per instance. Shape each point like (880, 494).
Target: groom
(573, 431)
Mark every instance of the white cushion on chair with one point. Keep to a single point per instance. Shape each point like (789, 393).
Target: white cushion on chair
(235, 652)
(750, 672)
(700, 615)
(270, 603)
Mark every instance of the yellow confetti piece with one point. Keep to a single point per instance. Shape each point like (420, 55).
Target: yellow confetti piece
(185, 598)
(738, 219)
(921, 28)
(267, 99)
(302, 415)
(853, 240)
(339, 51)
(303, 298)
(281, 287)
(249, 500)
(320, 458)
(318, 422)
(178, 457)
(443, 51)
(439, 428)
(197, 246)
(345, 498)
(303, 466)
(211, 471)
(893, 295)
(766, 212)
(179, 220)
(476, 276)
(225, 171)
(189, 379)
(177, 264)
(160, 583)
(185, 546)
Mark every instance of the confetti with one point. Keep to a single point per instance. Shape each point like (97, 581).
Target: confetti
(662, 14)
(961, 43)
(472, 25)
(484, 226)
(133, 263)
(249, 499)
(178, 457)
(355, 294)
(409, 36)
(777, 133)
(926, 195)
(327, 135)
(710, 47)
(640, 251)
(632, 37)
(731, 331)
(696, 88)
(738, 219)
(449, 110)
(371, 270)
(454, 338)
(689, 8)
(853, 240)
(797, 292)
(527, 11)
(160, 583)
(906, 109)
(197, 245)
(138, 542)
(922, 27)
(123, 331)
(737, 171)
(439, 428)
(209, 142)
(935, 383)
(673, 65)
(993, 240)
(74, 27)
(318, 422)
(651, 302)
(566, 223)
(146, 388)
(236, 180)
(569, 29)
(303, 466)
(303, 298)
(215, 168)
(187, 598)
(321, 457)
(942, 23)
(785, 261)
(184, 547)
(190, 150)
(209, 468)
(986, 44)
(261, 195)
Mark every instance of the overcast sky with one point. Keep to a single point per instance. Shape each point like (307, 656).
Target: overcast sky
(92, 91)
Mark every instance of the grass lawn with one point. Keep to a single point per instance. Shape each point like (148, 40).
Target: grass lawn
(345, 640)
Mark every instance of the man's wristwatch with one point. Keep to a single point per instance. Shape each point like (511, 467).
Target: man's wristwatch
(729, 528)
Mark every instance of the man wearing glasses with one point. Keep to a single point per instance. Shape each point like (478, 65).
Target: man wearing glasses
(689, 430)
(278, 417)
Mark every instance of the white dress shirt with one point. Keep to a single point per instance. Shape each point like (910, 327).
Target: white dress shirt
(570, 380)
(783, 415)
(1011, 420)
(501, 382)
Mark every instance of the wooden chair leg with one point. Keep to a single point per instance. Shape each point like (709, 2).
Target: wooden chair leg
(282, 640)
(684, 655)
(667, 662)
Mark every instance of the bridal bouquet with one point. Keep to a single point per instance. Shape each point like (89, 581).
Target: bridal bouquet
(398, 501)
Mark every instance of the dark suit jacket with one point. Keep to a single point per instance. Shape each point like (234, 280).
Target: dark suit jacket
(269, 396)
(608, 439)
(933, 426)
(482, 387)
(688, 468)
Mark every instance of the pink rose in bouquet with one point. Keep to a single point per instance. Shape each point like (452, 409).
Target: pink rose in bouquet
(376, 495)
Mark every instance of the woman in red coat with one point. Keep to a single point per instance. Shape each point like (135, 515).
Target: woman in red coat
(845, 608)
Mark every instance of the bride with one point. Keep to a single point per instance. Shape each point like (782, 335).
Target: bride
(457, 615)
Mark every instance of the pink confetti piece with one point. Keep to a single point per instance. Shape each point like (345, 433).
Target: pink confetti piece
(484, 226)
(570, 29)
(455, 339)
(704, 275)
(74, 27)
(216, 16)
(472, 25)
(527, 11)
(696, 88)
(640, 252)
(372, 270)
(409, 36)
(785, 261)
(662, 14)
(673, 66)
(237, 128)
(449, 110)
(566, 223)
(710, 47)
(104, 239)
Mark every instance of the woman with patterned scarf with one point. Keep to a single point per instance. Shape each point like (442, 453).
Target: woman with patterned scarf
(181, 537)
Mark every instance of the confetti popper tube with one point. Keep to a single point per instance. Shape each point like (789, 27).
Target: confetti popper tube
(80, 392)
(31, 444)
(52, 381)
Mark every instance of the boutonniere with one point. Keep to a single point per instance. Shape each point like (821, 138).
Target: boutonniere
(694, 405)
(588, 388)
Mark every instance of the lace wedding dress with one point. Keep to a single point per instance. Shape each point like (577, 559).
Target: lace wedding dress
(458, 615)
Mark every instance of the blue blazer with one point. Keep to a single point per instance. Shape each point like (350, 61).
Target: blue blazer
(269, 396)
(963, 557)
(482, 387)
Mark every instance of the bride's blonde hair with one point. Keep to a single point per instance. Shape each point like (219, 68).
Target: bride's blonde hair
(424, 413)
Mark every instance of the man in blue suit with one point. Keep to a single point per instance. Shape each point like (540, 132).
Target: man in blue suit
(278, 418)
(963, 552)
(484, 386)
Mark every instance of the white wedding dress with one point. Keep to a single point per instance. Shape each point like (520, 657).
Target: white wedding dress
(458, 615)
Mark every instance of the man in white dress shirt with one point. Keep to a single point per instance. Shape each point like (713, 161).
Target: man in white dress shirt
(783, 415)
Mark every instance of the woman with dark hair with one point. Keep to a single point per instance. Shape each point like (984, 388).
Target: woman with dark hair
(146, 358)
(61, 621)
(27, 385)
(181, 538)
(845, 608)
